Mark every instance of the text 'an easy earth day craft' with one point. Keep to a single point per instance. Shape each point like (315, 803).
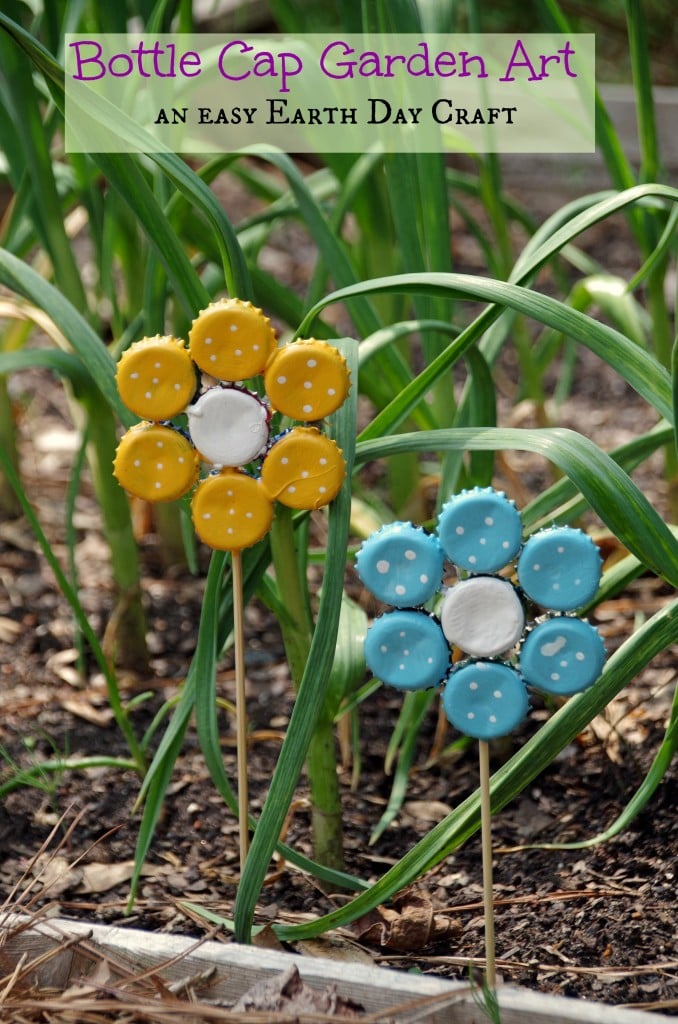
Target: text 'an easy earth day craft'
(228, 425)
(483, 615)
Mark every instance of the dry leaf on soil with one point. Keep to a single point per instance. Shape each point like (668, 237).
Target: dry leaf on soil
(410, 925)
(57, 876)
(289, 993)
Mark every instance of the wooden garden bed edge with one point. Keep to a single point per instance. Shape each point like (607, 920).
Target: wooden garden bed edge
(235, 968)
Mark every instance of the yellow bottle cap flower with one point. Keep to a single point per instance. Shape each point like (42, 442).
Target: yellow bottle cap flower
(156, 378)
(228, 426)
(231, 340)
(231, 510)
(304, 469)
(155, 463)
(307, 380)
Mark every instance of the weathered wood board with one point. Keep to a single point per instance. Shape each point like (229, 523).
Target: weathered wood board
(233, 969)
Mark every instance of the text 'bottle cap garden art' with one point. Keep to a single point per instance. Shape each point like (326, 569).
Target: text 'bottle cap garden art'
(483, 616)
(229, 425)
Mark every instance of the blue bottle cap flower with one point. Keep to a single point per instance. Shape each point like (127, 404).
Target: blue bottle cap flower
(407, 649)
(480, 530)
(483, 615)
(401, 564)
(485, 699)
(562, 655)
(560, 568)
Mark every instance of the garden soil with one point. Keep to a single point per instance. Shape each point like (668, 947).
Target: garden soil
(596, 923)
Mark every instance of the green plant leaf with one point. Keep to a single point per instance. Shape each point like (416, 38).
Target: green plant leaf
(33, 139)
(331, 250)
(23, 280)
(562, 503)
(123, 171)
(635, 365)
(405, 739)
(607, 489)
(63, 364)
(348, 667)
(643, 794)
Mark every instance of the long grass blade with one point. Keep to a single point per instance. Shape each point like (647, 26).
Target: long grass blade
(562, 498)
(23, 280)
(63, 364)
(607, 139)
(637, 367)
(608, 490)
(415, 706)
(336, 259)
(31, 136)
(125, 175)
(643, 794)
(642, 81)
(660, 252)
(205, 667)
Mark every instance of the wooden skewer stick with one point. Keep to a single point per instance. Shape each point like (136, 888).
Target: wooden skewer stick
(486, 836)
(240, 705)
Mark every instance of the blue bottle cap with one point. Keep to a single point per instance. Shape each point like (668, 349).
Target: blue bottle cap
(407, 649)
(562, 655)
(480, 530)
(560, 568)
(485, 699)
(401, 564)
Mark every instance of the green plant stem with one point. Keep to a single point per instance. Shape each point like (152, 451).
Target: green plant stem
(312, 694)
(297, 625)
(663, 348)
(168, 522)
(36, 164)
(326, 817)
(656, 303)
(650, 171)
(642, 81)
(9, 505)
(126, 632)
(297, 630)
(491, 193)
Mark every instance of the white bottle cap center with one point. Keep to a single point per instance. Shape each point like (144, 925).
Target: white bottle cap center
(229, 427)
(483, 616)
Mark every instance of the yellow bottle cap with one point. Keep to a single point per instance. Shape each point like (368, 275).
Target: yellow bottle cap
(304, 469)
(231, 340)
(156, 378)
(155, 463)
(231, 510)
(307, 380)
